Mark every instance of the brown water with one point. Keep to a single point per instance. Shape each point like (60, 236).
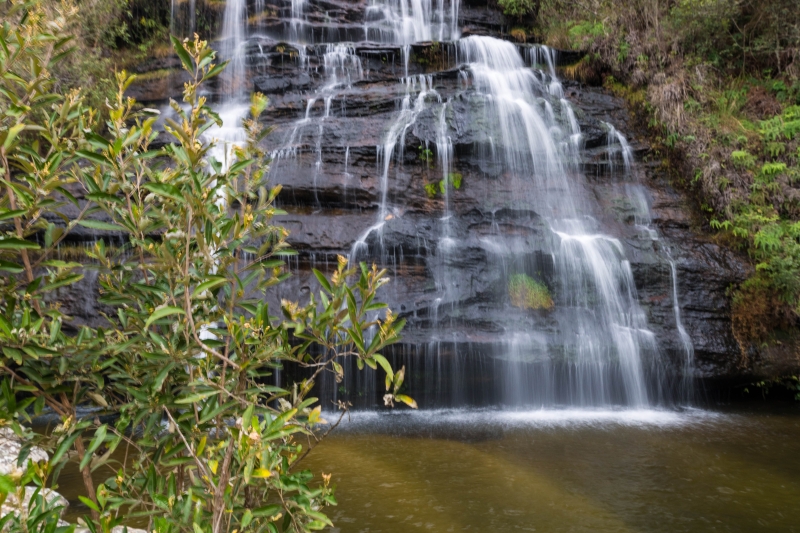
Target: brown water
(563, 471)
(568, 471)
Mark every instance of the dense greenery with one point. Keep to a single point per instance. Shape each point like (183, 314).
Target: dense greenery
(527, 293)
(718, 83)
(197, 437)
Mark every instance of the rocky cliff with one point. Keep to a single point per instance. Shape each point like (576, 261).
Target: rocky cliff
(451, 250)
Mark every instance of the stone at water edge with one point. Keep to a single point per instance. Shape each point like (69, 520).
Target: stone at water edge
(11, 505)
(10, 446)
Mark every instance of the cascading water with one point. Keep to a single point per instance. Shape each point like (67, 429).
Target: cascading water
(603, 337)
(406, 22)
(386, 154)
(411, 21)
(594, 347)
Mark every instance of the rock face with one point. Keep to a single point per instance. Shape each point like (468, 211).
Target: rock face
(51, 497)
(352, 186)
(10, 448)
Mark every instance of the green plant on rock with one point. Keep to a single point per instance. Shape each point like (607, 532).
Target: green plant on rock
(581, 32)
(519, 8)
(453, 179)
(426, 155)
(742, 159)
(430, 190)
(527, 293)
(519, 34)
(190, 343)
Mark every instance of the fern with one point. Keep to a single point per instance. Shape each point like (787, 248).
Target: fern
(769, 238)
(725, 225)
(774, 149)
(791, 129)
(771, 169)
(742, 159)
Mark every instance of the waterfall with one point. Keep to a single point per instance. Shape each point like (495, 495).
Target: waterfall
(604, 336)
(510, 90)
(406, 22)
(183, 18)
(592, 347)
(386, 154)
(411, 21)
(233, 39)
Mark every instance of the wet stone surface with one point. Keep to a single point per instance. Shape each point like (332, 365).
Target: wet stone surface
(450, 256)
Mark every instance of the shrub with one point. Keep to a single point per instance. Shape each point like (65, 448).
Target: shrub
(519, 8)
(184, 360)
(527, 293)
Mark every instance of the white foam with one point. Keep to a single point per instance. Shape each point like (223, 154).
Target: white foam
(534, 418)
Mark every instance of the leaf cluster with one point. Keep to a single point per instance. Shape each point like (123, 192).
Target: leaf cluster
(199, 439)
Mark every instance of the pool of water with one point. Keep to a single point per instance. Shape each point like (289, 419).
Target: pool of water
(559, 470)
(598, 471)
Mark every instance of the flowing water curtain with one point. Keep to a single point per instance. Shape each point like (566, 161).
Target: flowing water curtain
(604, 350)
(412, 21)
(233, 47)
(604, 337)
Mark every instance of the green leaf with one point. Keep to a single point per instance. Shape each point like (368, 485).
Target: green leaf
(65, 445)
(6, 485)
(322, 280)
(247, 518)
(104, 197)
(11, 267)
(13, 243)
(13, 131)
(209, 284)
(247, 417)
(384, 364)
(197, 397)
(239, 165)
(99, 438)
(93, 157)
(406, 400)
(163, 189)
(99, 225)
(267, 511)
(184, 56)
(89, 503)
(161, 313)
(5, 214)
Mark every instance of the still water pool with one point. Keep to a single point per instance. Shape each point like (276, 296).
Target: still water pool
(599, 471)
(557, 470)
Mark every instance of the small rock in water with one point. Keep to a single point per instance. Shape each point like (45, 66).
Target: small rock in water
(10, 446)
(11, 505)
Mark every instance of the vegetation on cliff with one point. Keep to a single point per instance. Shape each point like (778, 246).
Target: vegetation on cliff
(718, 84)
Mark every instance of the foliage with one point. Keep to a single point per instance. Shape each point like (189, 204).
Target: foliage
(718, 85)
(430, 190)
(185, 360)
(790, 384)
(527, 293)
(519, 34)
(453, 179)
(426, 155)
(518, 8)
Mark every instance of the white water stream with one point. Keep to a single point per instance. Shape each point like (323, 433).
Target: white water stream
(604, 347)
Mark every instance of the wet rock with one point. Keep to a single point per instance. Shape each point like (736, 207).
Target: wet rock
(10, 448)
(12, 503)
(271, 85)
(450, 256)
